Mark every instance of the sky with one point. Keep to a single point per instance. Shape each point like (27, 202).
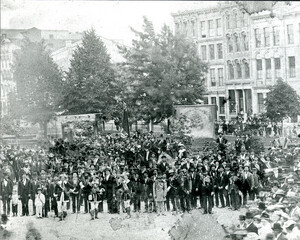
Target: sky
(110, 19)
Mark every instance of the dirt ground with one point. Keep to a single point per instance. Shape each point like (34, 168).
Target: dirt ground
(117, 227)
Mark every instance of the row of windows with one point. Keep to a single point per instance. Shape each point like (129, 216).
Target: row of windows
(263, 36)
(216, 79)
(221, 104)
(277, 67)
(236, 20)
(209, 28)
(214, 51)
(237, 42)
(238, 69)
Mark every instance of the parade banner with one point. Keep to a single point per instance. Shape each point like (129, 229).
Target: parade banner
(200, 119)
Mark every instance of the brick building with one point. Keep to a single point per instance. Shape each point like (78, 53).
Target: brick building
(246, 53)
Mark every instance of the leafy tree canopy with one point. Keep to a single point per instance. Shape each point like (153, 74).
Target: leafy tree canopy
(161, 69)
(89, 86)
(282, 101)
(38, 82)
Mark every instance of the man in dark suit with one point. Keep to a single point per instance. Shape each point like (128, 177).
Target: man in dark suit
(163, 166)
(6, 188)
(222, 142)
(250, 226)
(238, 143)
(109, 183)
(222, 182)
(207, 193)
(136, 190)
(195, 187)
(24, 190)
(34, 184)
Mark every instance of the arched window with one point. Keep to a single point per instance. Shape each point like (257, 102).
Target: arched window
(229, 43)
(234, 19)
(228, 21)
(237, 42)
(238, 69)
(245, 41)
(230, 70)
(246, 68)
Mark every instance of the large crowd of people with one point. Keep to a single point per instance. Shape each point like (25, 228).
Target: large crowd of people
(257, 125)
(156, 174)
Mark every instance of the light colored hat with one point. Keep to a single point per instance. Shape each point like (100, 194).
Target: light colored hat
(251, 236)
(288, 223)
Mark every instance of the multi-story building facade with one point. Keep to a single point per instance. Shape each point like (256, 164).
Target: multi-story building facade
(11, 40)
(245, 53)
(63, 56)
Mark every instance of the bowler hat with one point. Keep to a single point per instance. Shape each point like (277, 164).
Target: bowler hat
(249, 215)
(277, 226)
(242, 218)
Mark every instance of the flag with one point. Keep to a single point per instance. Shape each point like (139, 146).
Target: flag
(125, 123)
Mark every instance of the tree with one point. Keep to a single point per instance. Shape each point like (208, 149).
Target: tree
(89, 86)
(38, 82)
(161, 70)
(252, 7)
(282, 101)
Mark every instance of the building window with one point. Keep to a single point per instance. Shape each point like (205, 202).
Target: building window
(220, 76)
(220, 50)
(276, 36)
(193, 28)
(245, 41)
(259, 68)
(213, 78)
(234, 20)
(214, 100)
(203, 31)
(277, 68)
(268, 68)
(257, 38)
(267, 37)
(219, 27)
(222, 105)
(177, 28)
(211, 30)
(260, 102)
(205, 100)
(290, 33)
(238, 70)
(185, 29)
(232, 102)
(203, 52)
(292, 66)
(237, 43)
(228, 21)
(247, 70)
(229, 44)
(231, 71)
(211, 51)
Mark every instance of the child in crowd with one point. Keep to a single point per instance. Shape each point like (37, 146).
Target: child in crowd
(15, 200)
(39, 203)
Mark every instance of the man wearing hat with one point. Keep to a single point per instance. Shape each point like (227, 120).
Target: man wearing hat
(250, 227)
(242, 224)
(278, 232)
(159, 193)
(207, 194)
(6, 188)
(110, 184)
(184, 190)
(34, 184)
(24, 191)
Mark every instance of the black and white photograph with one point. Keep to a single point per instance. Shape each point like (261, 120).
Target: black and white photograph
(149, 120)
